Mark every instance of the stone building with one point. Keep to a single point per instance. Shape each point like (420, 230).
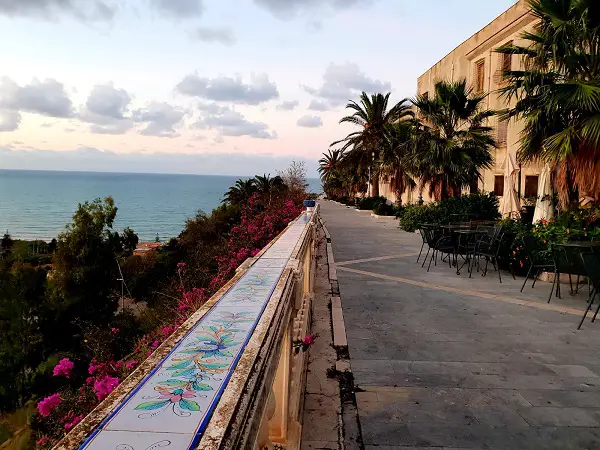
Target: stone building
(476, 61)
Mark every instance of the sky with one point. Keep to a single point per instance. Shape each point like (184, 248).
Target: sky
(232, 87)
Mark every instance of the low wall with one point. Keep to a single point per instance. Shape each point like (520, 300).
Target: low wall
(228, 378)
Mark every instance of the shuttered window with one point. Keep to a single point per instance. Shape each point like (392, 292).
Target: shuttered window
(531, 186)
(502, 132)
(499, 185)
(479, 75)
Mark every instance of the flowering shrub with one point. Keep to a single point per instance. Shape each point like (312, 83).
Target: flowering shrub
(64, 368)
(256, 226)
(49, 404)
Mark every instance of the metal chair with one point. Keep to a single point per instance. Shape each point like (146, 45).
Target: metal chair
(494, 253)
(566, 260)
(538, 259)
(437, 242)
(591, 263)
(421, 227)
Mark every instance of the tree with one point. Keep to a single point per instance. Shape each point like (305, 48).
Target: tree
(557, 94)
(397, 162)
(52, 246)
(22, 310)
(364, 146)
(453, 139)
(267, 187)
(84, 272)
(129, 241)
(6, 243)
(294, 177)
(241, 191)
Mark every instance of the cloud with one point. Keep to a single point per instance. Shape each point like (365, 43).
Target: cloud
(318, 105)
(88, 10)
(343, 82)
(179, 9)
(106, 110)
(289, 8)
(160, 119)
(310, 122)
(9, 120)
(288, 105)
(48, 98)
(226, 89)
(228, 122)
(214, 35)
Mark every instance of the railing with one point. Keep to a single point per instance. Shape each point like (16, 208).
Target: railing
(228, 378)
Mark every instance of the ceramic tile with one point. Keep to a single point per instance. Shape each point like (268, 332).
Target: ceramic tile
(176, 400)
(120, 440)
(274, 262)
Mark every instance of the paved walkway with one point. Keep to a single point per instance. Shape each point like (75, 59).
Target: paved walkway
(441, 360)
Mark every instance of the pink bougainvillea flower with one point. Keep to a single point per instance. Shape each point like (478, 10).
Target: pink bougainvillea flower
(64, 368)
(42, 442)
(308, 340)
(73, 422)
(104, 386)
(131, 364)
(114, 330)
(49, 404)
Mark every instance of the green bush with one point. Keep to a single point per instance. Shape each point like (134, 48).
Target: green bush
(370, 203)
(453, 209)
(383, 209)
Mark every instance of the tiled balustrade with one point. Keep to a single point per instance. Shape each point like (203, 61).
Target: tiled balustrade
(228, 378)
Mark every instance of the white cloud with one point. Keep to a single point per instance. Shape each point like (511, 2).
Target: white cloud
(343, 82)
(228, 122)
(214, 35)
(92, 10)
(318, 105)
(288, 105)
(106, 109)
(310, 122)
(226, 89)
(179, 9)
(160, 119)
(9, 120)
(289, 8)
(48, 98)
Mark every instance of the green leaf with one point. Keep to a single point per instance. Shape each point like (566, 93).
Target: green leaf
(180, 365)
(201, 387)
(189, 405)
(149, 406)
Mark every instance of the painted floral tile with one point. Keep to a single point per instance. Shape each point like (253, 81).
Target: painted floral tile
(122, 440)
(270, 263)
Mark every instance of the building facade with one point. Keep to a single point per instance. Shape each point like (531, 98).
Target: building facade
(476, 61)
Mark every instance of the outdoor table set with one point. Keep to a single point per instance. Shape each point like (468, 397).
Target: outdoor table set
(474, 241)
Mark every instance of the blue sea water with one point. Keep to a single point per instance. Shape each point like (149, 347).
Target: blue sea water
(39, 204)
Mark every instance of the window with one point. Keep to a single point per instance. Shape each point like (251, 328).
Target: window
(479, 75)
(531, 186)
(502, 132)
(499, 185)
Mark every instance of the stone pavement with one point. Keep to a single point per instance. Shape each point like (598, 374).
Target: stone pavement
(443, 361)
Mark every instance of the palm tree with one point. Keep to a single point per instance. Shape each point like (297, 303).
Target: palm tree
(329, 164)
(364, 146)
(241, 191)
(557, 94)
(453, 143)
(267, 186)
(397, 163)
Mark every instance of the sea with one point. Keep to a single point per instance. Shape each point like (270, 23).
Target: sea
(39, 204)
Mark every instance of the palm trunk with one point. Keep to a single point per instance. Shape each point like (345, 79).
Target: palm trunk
(375, 185)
